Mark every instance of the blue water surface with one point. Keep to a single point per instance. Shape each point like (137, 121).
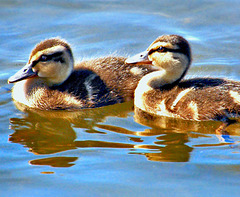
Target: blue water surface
(107, 151)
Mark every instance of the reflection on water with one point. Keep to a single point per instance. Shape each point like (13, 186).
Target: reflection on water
(42, 135)
(179, 125)
(48, 132)
(55, 161)
(171, 147)
(57, 126)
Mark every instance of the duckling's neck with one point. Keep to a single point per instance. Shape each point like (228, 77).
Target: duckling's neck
(56, 80)
(153, 81)
(158, 79)
(52, 82)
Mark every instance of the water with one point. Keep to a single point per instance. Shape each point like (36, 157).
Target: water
(108, 151)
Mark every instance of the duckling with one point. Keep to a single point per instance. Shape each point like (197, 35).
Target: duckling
(51, 81)
(164, 93)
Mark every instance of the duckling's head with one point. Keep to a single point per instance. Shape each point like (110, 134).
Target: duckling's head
(51, 60)
(171, 53)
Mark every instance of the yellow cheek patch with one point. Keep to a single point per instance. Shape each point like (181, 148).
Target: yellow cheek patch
(159, 57)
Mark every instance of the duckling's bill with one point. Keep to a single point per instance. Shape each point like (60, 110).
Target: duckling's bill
(24, 73)
(140, 58)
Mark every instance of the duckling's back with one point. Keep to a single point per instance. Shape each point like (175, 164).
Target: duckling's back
(196, 99)
(118, 76)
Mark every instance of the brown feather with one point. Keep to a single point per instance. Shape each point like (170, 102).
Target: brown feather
(117, 75)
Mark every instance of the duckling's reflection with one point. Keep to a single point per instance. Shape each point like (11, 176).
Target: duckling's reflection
(173, 136)
(180, 125)
(170, 147)
(46, 132)
(42, 135)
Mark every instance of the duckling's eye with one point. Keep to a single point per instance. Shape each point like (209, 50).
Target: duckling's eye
(43, 58)
(161, 49)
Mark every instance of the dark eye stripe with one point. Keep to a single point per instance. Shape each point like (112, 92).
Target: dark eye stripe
(57, 54)
(44, 58)
(164, 50)
(50, 57)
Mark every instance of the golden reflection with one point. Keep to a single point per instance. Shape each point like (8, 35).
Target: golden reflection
(173, 135)
(101, 144)
(47, 172)
(47, 132)
(164, 139)
(180, 125)
(169, 147)
(55, 161)
(42, 135)
(176, 124)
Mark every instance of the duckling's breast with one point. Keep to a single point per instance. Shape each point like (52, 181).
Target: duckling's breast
(20, 92)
